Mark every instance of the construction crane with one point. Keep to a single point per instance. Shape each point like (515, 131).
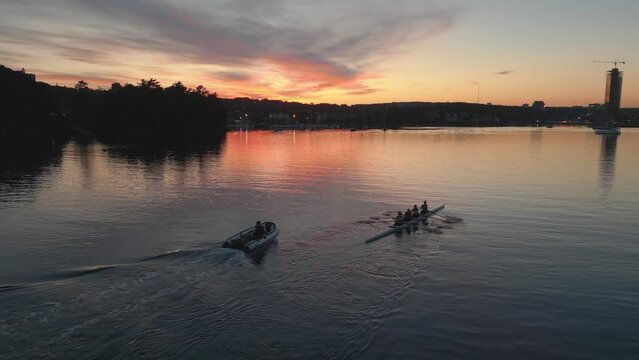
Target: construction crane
(611, 62)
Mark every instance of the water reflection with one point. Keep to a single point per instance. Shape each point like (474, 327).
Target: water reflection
(182, 153)
(607, 163)
(527, 197)
(141, 173)
(23, 167)
(107, 195)
(536, 136)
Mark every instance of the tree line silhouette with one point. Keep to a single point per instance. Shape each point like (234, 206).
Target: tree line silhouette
(144, 113)
(147, 114)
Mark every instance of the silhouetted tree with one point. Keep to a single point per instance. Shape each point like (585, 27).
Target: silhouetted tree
(143, 114)
(27, 105)
(81, 86)
(177, 87)
(147, 113)
(150, 84)
(200, 90)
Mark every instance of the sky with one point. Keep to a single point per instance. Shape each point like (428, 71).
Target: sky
(333, 51)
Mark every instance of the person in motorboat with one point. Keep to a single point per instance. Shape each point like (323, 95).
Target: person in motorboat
(399, 219)
(424, 207)
(415, 211)
(259, 231)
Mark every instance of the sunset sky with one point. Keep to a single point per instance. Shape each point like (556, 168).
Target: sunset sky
(359, 51)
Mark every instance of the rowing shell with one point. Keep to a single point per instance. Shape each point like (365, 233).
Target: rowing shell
(394, 229)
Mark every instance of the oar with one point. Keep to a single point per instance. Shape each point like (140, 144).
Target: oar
(439, 217)
(449, 219)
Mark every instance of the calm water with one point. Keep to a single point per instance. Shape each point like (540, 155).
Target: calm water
(115, 253)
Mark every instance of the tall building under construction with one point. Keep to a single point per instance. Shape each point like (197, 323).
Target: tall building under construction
(614, 79)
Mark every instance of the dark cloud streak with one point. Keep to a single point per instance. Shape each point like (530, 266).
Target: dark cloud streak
(231, 76)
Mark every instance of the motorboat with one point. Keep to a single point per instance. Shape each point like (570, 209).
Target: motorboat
(246, 241)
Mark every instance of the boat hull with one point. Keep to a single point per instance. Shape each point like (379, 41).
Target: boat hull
(245, 241)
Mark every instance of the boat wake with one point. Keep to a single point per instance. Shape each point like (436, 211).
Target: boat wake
(208, 298)
(175, 254)
(74, 273)
(5, 288)
(224, 257)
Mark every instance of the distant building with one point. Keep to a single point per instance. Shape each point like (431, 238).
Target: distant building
(539, 105)
(31, 77)
(614, 79)
(16, 77)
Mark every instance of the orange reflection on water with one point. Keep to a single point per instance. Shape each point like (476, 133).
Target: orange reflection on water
(399, 162)
(286, 161)
(393, 165)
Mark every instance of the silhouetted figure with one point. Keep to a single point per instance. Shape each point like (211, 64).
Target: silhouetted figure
(424, 207)
(415, 211)
(408, 215)
(259, 231)
(399, 219)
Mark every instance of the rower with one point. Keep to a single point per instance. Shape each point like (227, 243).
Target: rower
(424, 207)
(399, 219)
(415, 211)
(259, 231)
(408, 215)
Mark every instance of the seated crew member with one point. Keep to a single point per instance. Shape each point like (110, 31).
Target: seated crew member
(399, 219)
(424, 207)
(415, 211)
(408, 215)
(259, 231)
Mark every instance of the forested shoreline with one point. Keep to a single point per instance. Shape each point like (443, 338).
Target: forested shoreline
(144, 113)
